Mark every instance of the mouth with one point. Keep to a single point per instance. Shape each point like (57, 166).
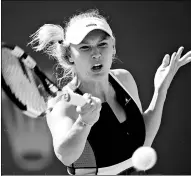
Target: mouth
(97, 68)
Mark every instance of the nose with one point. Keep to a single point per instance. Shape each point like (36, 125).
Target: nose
(96, 54)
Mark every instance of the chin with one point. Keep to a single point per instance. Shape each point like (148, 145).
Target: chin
(99, 75)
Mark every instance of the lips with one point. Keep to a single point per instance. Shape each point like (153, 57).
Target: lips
(97, 67)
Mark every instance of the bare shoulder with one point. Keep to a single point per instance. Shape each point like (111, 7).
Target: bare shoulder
(124, 76)
(128, 81)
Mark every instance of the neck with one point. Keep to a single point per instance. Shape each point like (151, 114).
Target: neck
(100, 89)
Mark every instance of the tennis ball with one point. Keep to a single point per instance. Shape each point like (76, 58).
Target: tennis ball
(144, 158)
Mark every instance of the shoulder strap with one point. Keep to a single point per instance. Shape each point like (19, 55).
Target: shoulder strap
(117, 80)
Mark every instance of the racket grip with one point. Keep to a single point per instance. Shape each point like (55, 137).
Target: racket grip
(73, 98)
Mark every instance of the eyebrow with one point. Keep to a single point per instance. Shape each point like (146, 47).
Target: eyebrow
(102, 38)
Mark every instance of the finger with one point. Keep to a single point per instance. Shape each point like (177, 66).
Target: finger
(88, 107)
(173, 58)
(179, 52)
(88, 104)
(97, 102)
(186, 61)
(84, 109)
(188, 54)
(87, 96)
(166, 60)
(79, 109)
(99, 106)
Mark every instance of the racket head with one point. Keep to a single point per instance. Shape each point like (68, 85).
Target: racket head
(20, 83)
(28, 87)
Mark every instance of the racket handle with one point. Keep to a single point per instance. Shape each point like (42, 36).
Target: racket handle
(69, 96)
(73, 98)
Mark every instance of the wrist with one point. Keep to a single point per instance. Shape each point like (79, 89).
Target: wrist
(84, 123)
(162, 91)
(160, 94)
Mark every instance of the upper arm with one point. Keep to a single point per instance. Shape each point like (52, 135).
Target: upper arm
(127, 80)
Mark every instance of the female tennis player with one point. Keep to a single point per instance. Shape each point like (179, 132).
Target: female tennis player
(101, 136)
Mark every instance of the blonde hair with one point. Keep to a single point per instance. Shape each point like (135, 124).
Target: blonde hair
(50, 39)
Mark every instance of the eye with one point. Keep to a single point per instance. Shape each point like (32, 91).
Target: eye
(103, 44)
(84, 48)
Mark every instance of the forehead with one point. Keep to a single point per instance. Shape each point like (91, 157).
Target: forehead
(97, 35)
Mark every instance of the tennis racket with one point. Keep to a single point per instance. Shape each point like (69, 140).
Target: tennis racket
(26, 84)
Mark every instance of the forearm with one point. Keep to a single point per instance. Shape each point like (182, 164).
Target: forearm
(72, 146)
(152, 116)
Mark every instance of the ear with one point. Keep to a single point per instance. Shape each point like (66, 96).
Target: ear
(114, 50)
(75, 83)
(71, 60)
(68, 54)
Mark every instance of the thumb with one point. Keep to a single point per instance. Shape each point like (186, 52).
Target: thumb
(78, 109)
(166, 61)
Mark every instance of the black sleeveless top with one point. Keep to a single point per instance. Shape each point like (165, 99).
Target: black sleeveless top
(109, 141)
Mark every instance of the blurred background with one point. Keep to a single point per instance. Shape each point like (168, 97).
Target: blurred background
(145, 32)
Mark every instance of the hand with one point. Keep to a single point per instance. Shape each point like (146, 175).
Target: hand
(167, 70)
(90, 112)
(60, 94)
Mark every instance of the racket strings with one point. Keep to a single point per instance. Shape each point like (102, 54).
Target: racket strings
(35, 95)
(25, 89)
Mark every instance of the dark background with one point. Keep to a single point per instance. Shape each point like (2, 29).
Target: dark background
(145, 32)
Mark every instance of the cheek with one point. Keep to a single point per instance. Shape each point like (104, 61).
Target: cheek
(81, 63)
(77, 57)
(74, 53)
(108, 55)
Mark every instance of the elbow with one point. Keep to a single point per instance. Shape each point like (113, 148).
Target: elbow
(66, 156)
(66, 159)
(150, 137)
(148, 142)
(62, 152)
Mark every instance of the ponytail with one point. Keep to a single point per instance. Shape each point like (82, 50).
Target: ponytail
(48, 39)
